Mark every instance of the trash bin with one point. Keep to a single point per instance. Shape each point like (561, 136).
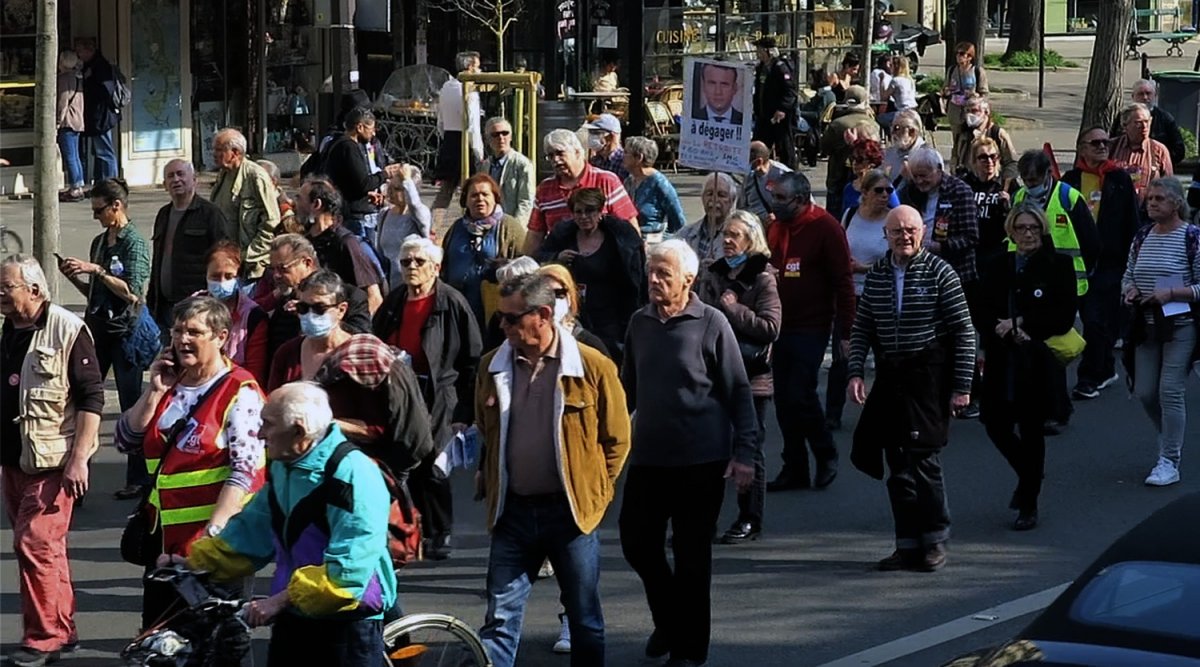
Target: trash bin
(1179, 95)
(556, 115)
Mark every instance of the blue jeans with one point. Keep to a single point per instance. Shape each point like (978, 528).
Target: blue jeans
(796, 363)
(129, 388)
(105, 164)
(530, 530)
(68, 145)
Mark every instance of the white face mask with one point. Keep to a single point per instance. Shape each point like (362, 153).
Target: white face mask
(974, 120)
(562, 308)
(595, 141)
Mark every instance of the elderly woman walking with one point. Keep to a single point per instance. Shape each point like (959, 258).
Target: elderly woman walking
(1162, 284)
(657, 202)
(742, 285)
(704, 235)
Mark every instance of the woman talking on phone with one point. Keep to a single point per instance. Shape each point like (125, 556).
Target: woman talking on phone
(197, 424)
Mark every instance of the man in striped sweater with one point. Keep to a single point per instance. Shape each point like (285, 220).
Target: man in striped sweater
(913, 315)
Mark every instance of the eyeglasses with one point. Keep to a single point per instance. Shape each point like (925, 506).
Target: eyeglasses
(550, 155)
(511, 319)
(9, 289)
(501, 133)
(964, 53)
(1098, 143)
(1026, 229)
(318, 308)
(409, 261)
(588, 210)
(561, 293)
(883, 190)
(903, 232)
(280, 268)
(987, 157)
(903, 129)
(180, 332)
(98, 210)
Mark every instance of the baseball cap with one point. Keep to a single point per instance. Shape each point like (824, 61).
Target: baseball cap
(605, 122)
(856, 96)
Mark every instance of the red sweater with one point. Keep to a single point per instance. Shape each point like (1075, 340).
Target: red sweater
(815, 279)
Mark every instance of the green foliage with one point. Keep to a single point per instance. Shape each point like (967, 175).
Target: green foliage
(999, 118)
(931, 84)
(1025, 60)
(1189, 140)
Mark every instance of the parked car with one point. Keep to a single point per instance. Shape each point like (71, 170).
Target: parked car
(1137, 604)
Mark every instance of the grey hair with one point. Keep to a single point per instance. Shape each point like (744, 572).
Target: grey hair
(874, 176)
(326, 282)
(422, 245)
(304, 404)
(493, 122)
(31, 272)
(68, 60)
(462, 60)
(721, 176)
(561, 139)
(296, 243)
(1173, 189)
(1151, 83)
(214, 313)
(926, 157)
(271, 168)
(912, 117)
(644, 147)
(1128, 110)
(754, 229)
(231, 138)
(536, 289)
(521, 266)
(678, 251)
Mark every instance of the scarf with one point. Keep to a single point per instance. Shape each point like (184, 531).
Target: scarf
(779, 234)
(1100, 171)
(484, 225)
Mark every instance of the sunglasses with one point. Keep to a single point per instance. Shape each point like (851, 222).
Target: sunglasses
(883, 190)
(987, 157)
(1098, 143)
(318, 308)
(512, 318)
(100, 209)
(409, 261)
(500, 133)
(590, 210)
(561, 293)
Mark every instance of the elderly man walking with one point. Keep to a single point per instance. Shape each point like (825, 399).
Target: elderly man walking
(508, 167)
(556, 434)
(913, 315)
(1163, 127)
(50, 402)
(246, 196)
(695, 426)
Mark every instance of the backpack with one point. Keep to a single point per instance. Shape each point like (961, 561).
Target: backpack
(121, 93)
(314, 165)
(404, 521)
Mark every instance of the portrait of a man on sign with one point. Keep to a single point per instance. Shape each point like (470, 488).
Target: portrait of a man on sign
(720, 87)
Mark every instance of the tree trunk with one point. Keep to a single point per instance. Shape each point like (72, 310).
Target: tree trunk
(1104, 75)
(970, 24)
(45, 153)
(1024, 29)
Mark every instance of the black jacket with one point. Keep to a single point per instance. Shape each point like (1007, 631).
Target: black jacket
(346, 166)
(201, 226)
(631, 273)
(1019, 375)
(452, 345)
(1164, 130)
(774, 89)
(1120, 217)
(99, 80)
(284, 325)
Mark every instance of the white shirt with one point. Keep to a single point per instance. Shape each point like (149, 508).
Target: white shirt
(898, 276)
(878, 85)
(725, 116)
(450, 114)
(867, 244)
(903, 91)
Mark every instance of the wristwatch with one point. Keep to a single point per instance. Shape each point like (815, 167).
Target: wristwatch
(212, 530)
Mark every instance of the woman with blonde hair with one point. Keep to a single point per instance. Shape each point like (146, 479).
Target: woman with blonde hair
(566, 307)
(902, 90)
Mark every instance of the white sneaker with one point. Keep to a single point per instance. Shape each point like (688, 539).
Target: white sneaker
(546, 571)
(1109, 382)
(563, 645)
(1164, 474)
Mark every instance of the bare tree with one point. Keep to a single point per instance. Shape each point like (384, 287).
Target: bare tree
(45, 153)
(1103, 96)
(1025, 28)
(495, 15)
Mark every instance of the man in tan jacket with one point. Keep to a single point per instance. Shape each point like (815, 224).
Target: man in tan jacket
(556, 433)
(50, 404)
(246, 196)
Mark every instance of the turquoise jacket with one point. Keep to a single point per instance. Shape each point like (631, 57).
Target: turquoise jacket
(347, 572)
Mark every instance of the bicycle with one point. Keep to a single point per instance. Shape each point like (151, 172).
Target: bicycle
(433, 640)
(10, 242)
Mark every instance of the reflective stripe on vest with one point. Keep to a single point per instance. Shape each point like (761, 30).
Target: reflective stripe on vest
(1063, 235)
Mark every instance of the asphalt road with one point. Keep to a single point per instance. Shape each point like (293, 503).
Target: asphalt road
(806, 595)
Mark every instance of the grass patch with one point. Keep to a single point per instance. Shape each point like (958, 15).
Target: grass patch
(930, 84)
(1189, 140)
(999, 118)
(1025, 60)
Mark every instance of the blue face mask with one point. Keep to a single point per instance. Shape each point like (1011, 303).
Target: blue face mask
(736, 260)
(316, 326)
(222, 289)
(1038, 191)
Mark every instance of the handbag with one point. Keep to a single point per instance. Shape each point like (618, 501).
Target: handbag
(756, 357)
(1066, 347)
(144, 340)
(141, 543)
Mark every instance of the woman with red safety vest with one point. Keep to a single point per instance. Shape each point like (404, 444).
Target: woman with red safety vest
(197, 424)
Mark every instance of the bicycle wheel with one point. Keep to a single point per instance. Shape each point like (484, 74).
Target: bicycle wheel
(10, 243)
(433, 640)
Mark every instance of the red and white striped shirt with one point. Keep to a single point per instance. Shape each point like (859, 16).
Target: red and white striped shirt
(550, 199)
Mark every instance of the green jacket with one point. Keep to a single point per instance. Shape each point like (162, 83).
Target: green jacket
(247, 199)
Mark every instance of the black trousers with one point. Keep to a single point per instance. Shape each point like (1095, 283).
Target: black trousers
(322, 641)
(751, 502)
(433, 499)
(1026, 453)
(689, 497)
(1100, 310)
(918, 497)
(778, 136)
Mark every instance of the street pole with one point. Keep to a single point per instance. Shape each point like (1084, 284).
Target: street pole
(1042, 54)
(868, 28)
(45, 153)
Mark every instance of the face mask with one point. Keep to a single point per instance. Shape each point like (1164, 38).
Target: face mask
(222, 289)
(786, 210)
(595, 142)
(562, 308)
(316, 326)
(736, 260)
(974, 120)
(1038, 191)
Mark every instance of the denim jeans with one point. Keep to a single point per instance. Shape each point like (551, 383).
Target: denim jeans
(1100, 310)
(105, 164)
(796, 364)
(129, 388)
(68, 145)
(530, 530)
(917, 493)
(1159, 381)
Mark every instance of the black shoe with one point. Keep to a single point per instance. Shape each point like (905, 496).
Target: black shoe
(741, 531)
(1053, 427)
(129, 492)
(1085, 391)
(970, 412)
(901, 559)
(1026, 521)
(788, 480)
(657, 645)
(826, 473)
(683, 662)
(833, 423)
(439, 548)
(28, 657)
(934, 559)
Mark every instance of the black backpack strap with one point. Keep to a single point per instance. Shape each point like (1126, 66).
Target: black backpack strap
(310, 510)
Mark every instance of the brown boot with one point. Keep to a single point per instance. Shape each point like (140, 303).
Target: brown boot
(934, 559)
(901, 559)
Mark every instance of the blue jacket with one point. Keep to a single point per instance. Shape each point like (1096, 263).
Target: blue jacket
(347, 572)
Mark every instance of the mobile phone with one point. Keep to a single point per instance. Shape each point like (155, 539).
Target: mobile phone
(60, 258)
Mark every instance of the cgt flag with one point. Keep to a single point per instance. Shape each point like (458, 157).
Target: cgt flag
(715, 128)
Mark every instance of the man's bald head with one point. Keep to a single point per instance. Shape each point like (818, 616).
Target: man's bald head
(905, 230)
(179, 180)
(759, 151)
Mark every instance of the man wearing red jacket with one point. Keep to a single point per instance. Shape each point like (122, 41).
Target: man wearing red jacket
(809, 249)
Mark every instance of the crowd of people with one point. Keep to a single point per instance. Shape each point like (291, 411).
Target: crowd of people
(546, 317)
